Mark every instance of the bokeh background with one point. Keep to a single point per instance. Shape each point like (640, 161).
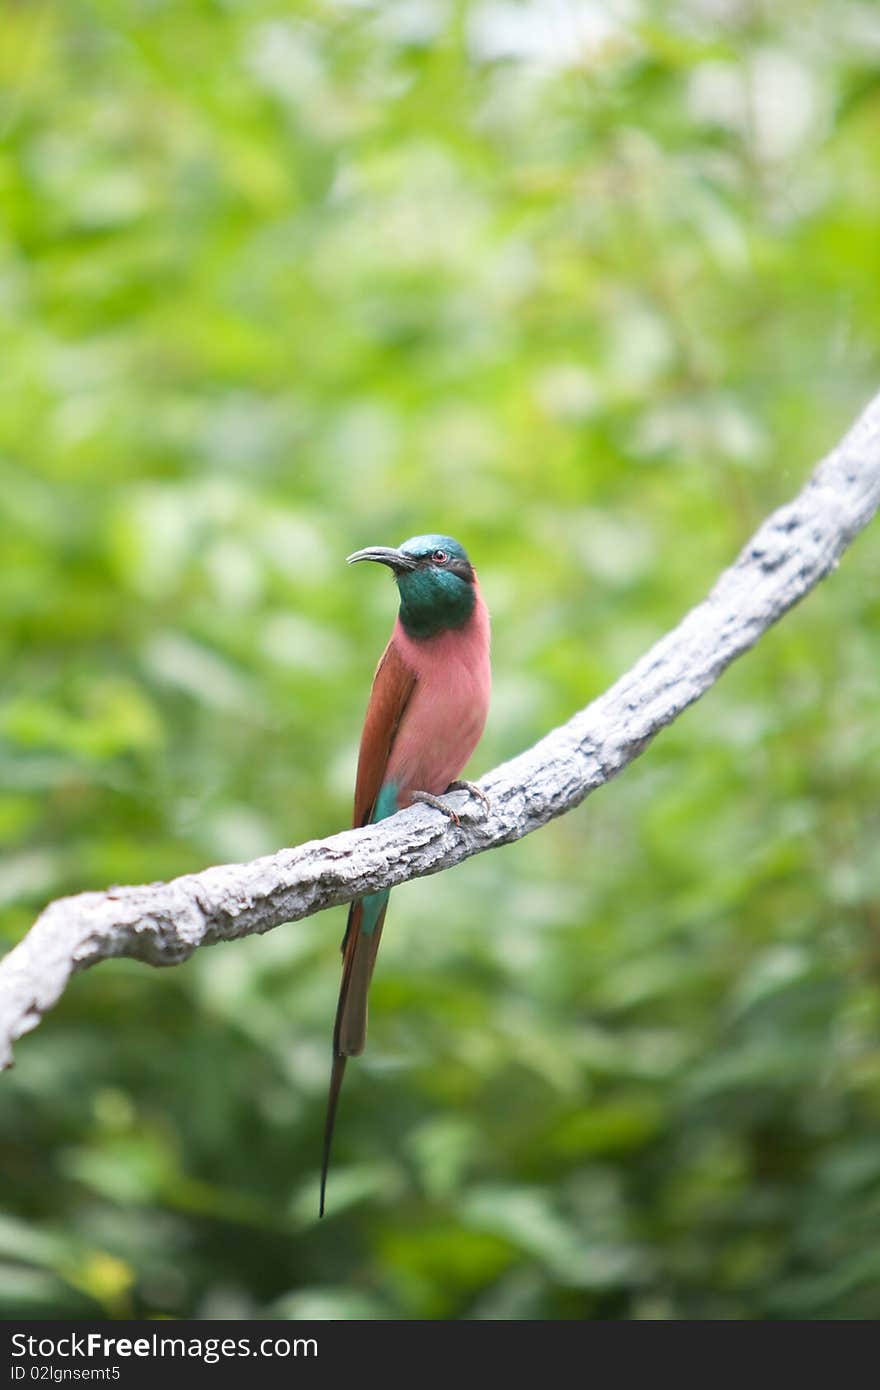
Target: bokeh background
(591, 287)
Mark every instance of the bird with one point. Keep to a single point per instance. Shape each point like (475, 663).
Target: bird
(426, 713)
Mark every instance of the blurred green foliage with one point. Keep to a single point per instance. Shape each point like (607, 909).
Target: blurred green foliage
(590, 287)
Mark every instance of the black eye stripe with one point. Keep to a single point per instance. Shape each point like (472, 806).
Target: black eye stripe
(453, 564)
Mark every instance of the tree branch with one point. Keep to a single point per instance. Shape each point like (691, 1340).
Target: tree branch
(163, 923)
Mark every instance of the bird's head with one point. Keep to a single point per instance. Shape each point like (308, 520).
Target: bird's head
(436, 582)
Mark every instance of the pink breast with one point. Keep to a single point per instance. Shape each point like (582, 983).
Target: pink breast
(447, 711)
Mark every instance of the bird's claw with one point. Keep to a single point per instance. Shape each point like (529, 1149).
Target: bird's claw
(429, 799)
(460, 785)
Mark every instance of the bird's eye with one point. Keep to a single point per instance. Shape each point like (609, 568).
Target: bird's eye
(439, 557)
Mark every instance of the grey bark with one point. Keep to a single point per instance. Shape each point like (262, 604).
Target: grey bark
(163, 923)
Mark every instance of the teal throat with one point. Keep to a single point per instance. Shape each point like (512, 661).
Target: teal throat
(434, 600)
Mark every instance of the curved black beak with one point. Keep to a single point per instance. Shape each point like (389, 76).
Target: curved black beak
(398, 560)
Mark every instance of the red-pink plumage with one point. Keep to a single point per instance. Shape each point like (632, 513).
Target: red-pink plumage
(446, 711)
(427, 708)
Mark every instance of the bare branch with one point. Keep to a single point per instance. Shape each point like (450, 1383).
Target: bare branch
(163, 923)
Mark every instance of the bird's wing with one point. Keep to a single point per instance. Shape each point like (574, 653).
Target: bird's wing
(393, 685)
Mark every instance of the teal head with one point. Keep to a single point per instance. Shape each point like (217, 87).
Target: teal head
(435, 579)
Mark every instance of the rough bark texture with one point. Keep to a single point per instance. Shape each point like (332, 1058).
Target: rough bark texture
(163, 923)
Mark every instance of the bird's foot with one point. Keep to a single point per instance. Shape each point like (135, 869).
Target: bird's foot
(460, 785)
(429, 799)
(438, 803)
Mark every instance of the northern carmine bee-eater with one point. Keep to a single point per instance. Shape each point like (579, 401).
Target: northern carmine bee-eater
(427, 709)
